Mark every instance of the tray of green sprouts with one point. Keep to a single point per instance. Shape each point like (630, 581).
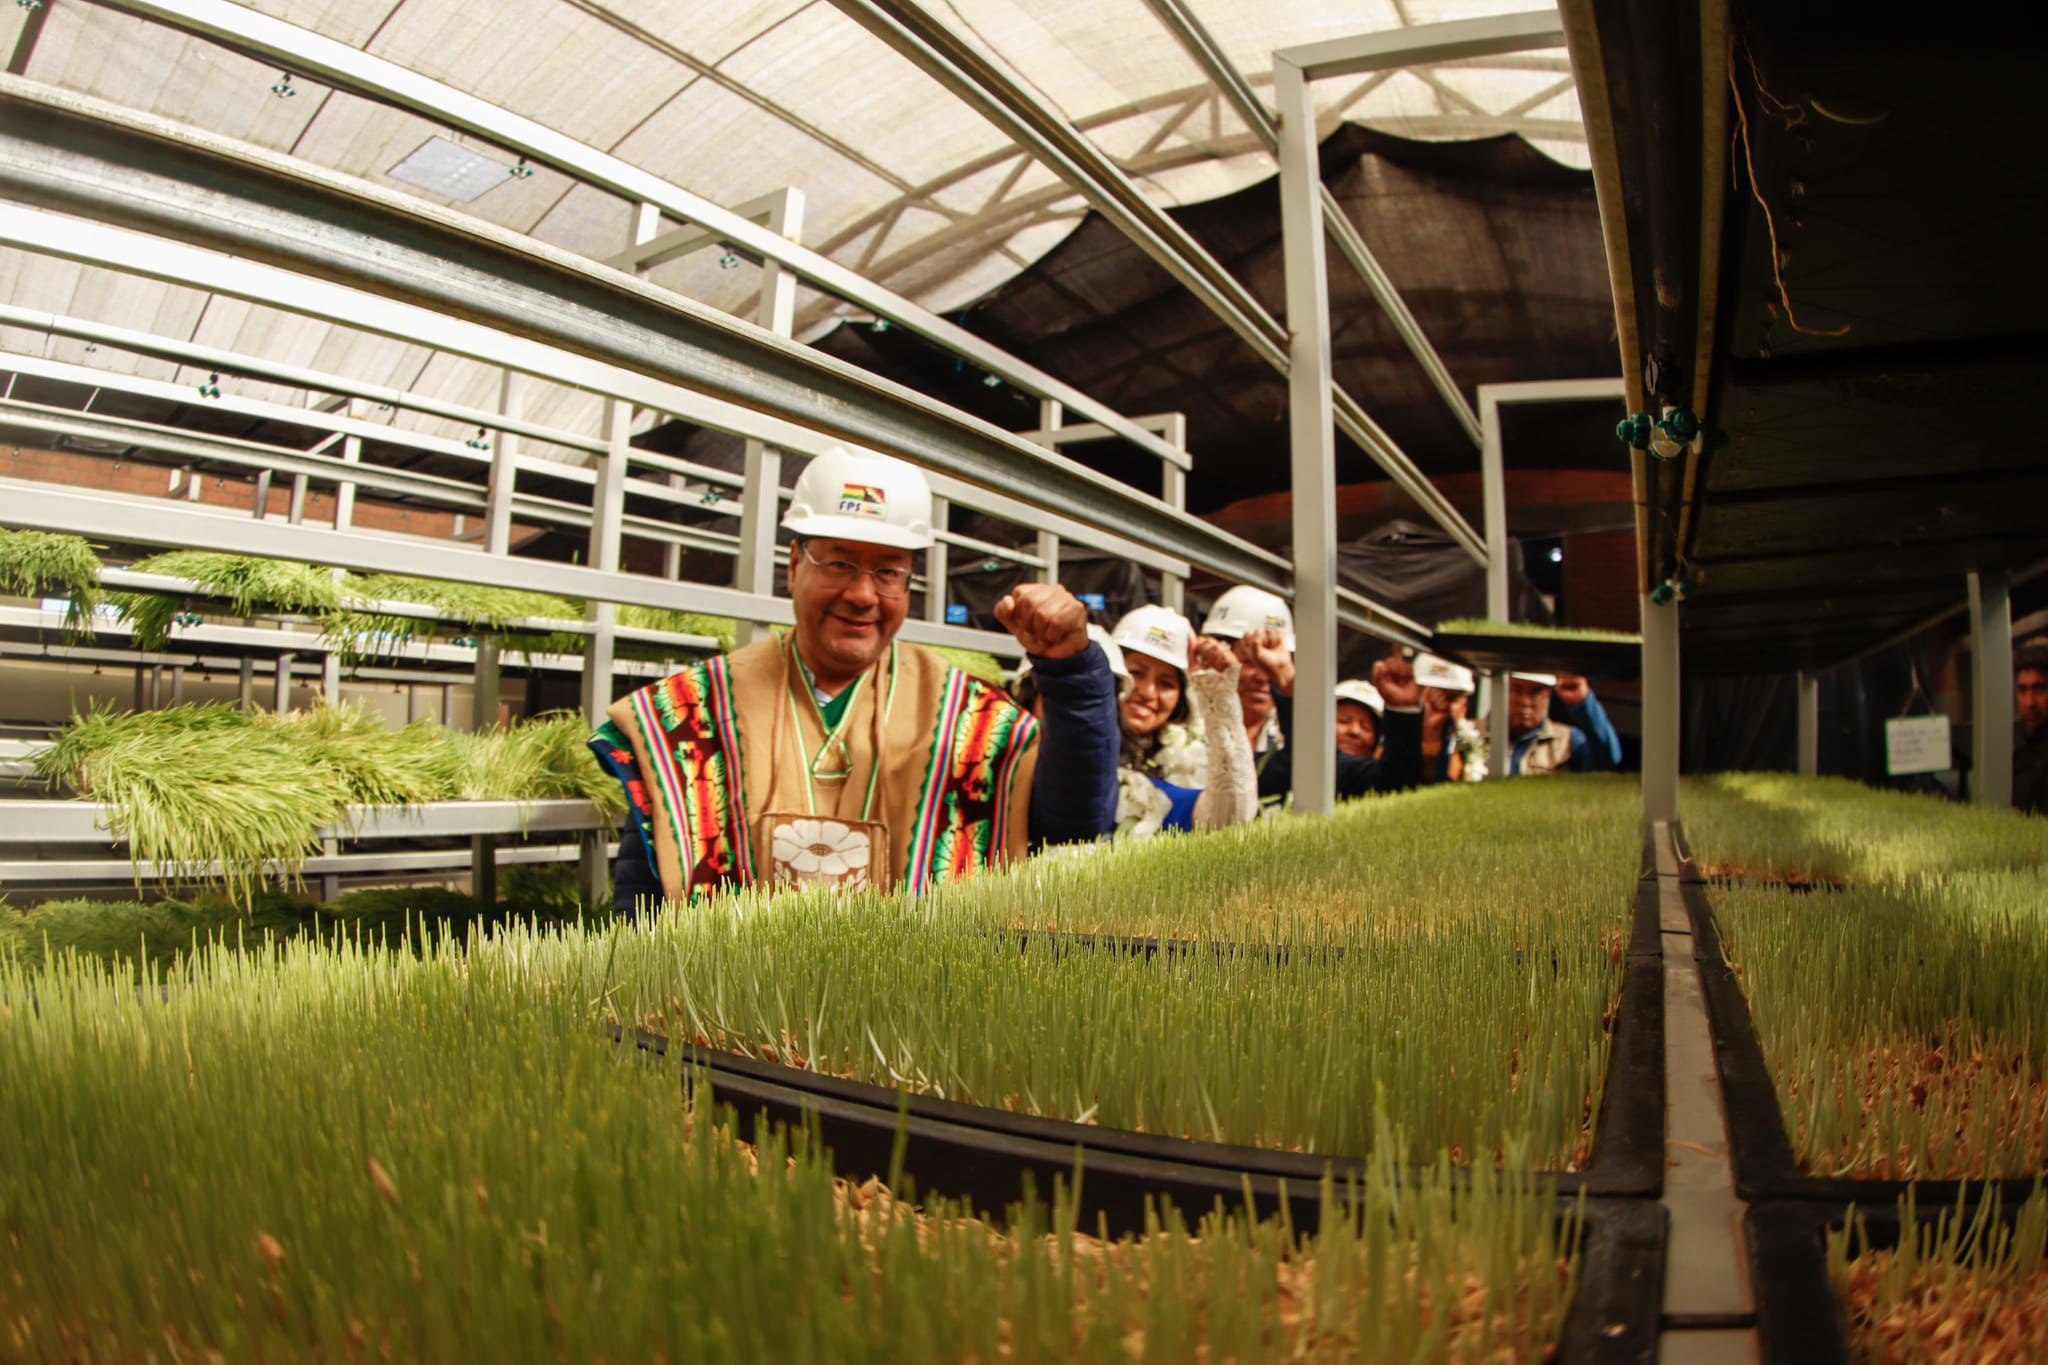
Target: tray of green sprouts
(1887, 1029)
(339, 1152)
(1473, 1008)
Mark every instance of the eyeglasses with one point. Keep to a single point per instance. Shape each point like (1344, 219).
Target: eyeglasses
(890, 581)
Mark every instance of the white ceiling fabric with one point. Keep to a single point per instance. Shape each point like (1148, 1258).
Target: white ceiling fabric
(733, 101)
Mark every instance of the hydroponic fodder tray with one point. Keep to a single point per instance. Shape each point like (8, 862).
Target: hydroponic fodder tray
(1802, 1318)
(451, 1119)
(1128, 1167)
(1759, 1143)
(1614, 1317)
(1595, 659)
(1627, 1156)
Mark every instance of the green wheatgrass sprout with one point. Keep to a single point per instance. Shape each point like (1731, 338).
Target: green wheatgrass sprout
(194, 786)
(322, 1132)
(1779, 827)
(159, 932)
(1476, 625)
(972, 662)
(1965, 1288)
(249, 584)
(1905, 1025)
(1474, 1007)
(44, 564)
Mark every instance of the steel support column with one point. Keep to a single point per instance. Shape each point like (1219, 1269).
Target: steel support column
(483, 848)
(1809, 724)
(1660, 711)
(607, 514)
(504, 467)
(1494, 498)
(1991, 712)
(1313, 442)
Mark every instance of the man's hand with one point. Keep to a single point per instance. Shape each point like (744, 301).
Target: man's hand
(1394, 676)
(1267, 650)
(1046, 619)
(1571, 689)
(1209, 656)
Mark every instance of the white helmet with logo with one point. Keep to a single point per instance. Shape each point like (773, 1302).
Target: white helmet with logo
(1540, 679)
(1364, 693)
(1160, 632)
(1110, 652)
(861, 495)
(1431, 671)
(1244, 609)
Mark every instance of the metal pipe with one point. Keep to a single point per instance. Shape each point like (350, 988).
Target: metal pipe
(1182, 22)
(190, 188)
(304, 52)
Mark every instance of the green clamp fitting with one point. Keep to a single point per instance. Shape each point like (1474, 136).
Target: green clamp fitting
(1633, 431)
(521, 171)
(879, 325)
(1679, 425)
(1664, 594)
(711, 496)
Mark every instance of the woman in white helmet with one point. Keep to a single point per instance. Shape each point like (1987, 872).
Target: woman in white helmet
(1186, 761)
(837, 755)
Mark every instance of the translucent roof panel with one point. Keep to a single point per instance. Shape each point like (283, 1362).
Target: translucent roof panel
(901, 179)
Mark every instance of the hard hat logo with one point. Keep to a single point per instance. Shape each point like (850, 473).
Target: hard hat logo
(1155, 636)
(863, 500)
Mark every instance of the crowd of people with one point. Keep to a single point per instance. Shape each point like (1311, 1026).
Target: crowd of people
(835, 754)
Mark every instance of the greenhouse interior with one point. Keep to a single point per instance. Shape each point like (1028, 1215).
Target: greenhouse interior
(659, 666)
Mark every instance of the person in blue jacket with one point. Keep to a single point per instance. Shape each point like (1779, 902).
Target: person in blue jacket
(1556, 724)
(1398, 762)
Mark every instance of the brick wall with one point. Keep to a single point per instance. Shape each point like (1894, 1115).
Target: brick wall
(1600, 581)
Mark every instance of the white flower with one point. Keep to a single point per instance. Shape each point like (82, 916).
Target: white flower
(1141, 808)
(821, 848)
(1472, 746)
(1182, 757)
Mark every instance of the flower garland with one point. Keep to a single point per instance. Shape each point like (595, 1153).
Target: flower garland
(1471, 745)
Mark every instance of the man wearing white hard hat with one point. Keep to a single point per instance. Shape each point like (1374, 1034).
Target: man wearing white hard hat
(1453, 746)
(838, 755)
(1359, 708)
(1558, 725)
(1393, 762)
(1238, 611)
(1186, 762)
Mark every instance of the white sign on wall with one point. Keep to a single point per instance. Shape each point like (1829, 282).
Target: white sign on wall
(1917, 744)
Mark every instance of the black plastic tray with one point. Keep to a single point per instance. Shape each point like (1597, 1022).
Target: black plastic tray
(1759, 1145)
(1628, 1132)
(1540, 654)
(1613, 1319)
(1800, 1321)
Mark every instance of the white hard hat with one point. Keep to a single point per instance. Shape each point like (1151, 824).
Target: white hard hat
(1540, 679)
(1244, 609)
(862, 495)
(1364, 693)
(1160, 632)
(1110, 651)
(1431, 671)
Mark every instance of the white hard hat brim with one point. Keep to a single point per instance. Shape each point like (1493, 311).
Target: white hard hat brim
(857, 530)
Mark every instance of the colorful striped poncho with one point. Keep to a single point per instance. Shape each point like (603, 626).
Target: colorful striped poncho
(697, 753)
